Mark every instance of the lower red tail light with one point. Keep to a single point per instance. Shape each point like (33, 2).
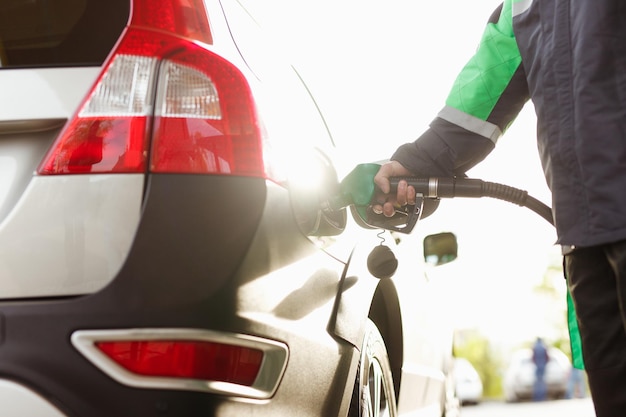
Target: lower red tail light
(186, 359)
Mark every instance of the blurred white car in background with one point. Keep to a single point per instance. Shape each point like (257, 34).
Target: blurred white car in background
(467, 382)
(520, 375)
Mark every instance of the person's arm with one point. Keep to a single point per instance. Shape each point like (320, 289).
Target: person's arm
(485, 98)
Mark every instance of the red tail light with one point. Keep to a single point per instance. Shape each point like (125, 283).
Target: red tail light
(186, 359)
(163, 93)
(204, 120)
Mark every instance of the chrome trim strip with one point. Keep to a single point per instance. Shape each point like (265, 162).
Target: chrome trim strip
(471, 123)
(29, 126)
(433, 186)
(275, 356)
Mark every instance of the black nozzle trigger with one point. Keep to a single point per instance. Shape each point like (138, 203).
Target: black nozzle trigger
(403, 220)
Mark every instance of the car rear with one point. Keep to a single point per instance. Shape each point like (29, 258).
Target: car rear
(520, 376)
(125, 137)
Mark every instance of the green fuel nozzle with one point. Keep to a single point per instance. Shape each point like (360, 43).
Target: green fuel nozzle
(358, 191)
(357, 188)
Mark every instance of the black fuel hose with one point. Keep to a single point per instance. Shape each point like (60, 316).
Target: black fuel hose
(436, 188)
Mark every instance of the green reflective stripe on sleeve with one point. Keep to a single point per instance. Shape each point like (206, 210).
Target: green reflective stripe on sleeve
(482, 81)
(471, 123)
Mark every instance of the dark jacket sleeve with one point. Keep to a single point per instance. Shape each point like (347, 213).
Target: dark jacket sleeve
(445, 150)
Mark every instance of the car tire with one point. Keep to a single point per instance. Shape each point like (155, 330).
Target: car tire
(510, 397)
(373, 394)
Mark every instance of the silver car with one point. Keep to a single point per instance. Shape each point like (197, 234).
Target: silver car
(519, 378)
(165, 244)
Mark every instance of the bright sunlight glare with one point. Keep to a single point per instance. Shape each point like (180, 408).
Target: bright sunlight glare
(505, 251)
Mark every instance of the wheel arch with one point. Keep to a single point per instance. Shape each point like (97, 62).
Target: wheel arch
(385, 313)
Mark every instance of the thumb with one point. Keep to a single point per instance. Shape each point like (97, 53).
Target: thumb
(388, 170)
(381, 179)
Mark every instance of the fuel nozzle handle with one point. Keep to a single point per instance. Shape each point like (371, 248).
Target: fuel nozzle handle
(442, 187)
(474, 188)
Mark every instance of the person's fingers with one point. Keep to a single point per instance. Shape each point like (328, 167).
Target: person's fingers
(388, 209)
(410, 195)
(401, 194)
(404, 194)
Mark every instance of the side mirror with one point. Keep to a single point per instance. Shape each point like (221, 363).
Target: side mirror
(440, 248)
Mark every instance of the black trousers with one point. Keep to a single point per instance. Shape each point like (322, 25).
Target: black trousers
(597, 281)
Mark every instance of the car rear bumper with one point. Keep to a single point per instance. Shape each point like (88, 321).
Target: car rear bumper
(195, 263)
(553, 390)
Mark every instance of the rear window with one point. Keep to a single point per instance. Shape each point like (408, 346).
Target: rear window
(47, 33)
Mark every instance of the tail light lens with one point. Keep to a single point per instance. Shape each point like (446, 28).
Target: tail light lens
(186, 359)
(163, 93)
(204, 123)
(108, 134)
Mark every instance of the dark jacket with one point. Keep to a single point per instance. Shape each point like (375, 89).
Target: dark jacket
(569, 57)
